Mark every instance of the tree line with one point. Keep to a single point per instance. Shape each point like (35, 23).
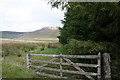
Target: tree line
(91, 27)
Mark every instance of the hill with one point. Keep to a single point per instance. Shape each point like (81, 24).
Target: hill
(47, 33)
(10, 34)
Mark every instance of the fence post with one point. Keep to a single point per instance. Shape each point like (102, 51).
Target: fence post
(61, 66)
(28, 61)
(106, 67)
(99, 66)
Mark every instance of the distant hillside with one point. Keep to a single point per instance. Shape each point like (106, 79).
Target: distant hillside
(10, 34)
(47, 33)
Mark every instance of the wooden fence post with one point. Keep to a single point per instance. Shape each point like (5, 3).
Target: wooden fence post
(106, 66)
(61, 66)
(99, 66)
(28, 61)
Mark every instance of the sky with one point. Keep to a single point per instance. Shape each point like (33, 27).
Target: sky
(28, 15)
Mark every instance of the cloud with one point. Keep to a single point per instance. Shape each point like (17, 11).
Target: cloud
(28, 15)
(19, 14)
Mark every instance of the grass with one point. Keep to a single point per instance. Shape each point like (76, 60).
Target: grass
(14, 71)
(52, 51)
(14, 63)
(0, 67)
(15, 67)
(48, 40)
(15, 48)
(9, 36)
(48, 51)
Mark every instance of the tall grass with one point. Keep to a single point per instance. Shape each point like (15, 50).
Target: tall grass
(14, 62)
(17, 48)
(14, 58)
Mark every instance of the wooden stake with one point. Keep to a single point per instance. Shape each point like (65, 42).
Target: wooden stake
(99, 66)
(61, 67)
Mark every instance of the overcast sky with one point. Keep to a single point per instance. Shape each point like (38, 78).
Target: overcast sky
(28, 15)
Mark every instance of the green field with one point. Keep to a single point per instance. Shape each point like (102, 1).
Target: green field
(16, 68)
(14, 60)
(9, 36)
(48, 40)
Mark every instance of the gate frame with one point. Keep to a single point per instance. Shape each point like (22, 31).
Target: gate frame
(70, 63)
